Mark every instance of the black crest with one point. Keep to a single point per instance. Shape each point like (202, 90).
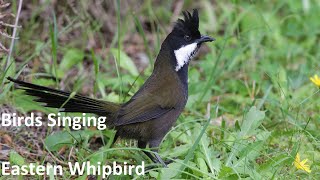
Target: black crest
(190, 22)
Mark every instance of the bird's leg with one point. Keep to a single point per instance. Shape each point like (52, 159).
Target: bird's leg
(143, 145)
(156, 158)
(154, 145)
(159, 159)
(116, 136)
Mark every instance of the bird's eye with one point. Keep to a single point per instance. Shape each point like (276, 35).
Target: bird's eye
(187, 38)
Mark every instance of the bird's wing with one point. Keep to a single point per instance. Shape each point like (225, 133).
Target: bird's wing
(143, 108)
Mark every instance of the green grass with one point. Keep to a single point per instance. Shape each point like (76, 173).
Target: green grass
(251, 105)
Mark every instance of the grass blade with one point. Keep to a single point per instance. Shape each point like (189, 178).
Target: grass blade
(54, 45)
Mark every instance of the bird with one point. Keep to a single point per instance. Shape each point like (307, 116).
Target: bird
(153, 110)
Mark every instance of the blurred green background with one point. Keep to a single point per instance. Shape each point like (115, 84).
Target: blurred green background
(251, 105)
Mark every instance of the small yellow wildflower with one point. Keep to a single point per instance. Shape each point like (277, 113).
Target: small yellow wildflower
(301, 164)
(316, 80)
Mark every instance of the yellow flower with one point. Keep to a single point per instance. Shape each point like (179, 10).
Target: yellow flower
(301, 164)
(316, 80)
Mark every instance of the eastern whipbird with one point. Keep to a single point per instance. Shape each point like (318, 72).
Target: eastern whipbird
(155, 107)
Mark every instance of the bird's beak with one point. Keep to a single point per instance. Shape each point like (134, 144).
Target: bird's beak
(205, 38)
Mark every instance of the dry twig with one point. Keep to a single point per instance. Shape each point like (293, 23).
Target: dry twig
(13, 36)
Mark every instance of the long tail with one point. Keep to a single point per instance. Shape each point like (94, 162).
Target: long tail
(65, 101)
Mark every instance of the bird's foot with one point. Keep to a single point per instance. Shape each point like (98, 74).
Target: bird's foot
(169, 161)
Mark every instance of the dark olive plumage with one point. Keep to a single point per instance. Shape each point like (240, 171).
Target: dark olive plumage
(153, 110)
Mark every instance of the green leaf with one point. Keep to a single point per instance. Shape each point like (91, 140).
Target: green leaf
(252, 120)
(16, 159)
(95, 159)
(273, 164)
(177, 151)
(70, 58)
(249, 152)
(125, 62)
(243, 149)
(202, 164)
(237, 126)
(170, 172)
(227, 173)
(55, 141)
(209, 156)
(194, 146)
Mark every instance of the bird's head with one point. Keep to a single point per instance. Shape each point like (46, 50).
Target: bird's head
(186, 39)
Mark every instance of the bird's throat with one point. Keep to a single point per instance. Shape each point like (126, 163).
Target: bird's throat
(184, 54)
(183, 76)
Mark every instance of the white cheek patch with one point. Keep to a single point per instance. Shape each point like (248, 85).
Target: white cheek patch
(184, 54)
